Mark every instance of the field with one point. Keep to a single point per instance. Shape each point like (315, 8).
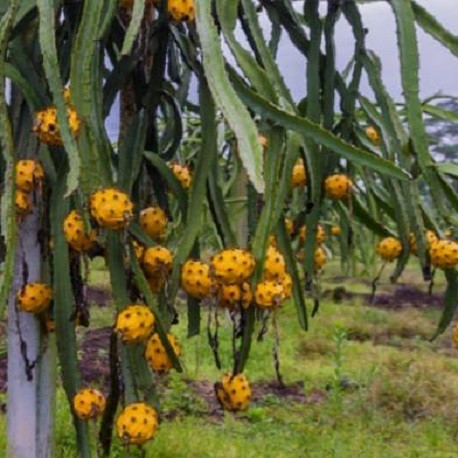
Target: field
(364, 381)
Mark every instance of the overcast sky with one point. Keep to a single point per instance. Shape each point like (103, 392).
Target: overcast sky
(439, 68)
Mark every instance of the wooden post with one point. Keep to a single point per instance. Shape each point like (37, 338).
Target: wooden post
(31, 393)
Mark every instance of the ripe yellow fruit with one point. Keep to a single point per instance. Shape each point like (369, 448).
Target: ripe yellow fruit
(389, 248)
(231, 296)
(269, 294)
(336, 230)
(156, 354)
(181, 10)
(444, 254)
(137, 424)
(263, 141)
(319, 237)
(287, 284)
(47, 129)
(299, 175)
(153, 221)
(23, 203)
(233, 392)
(34, 297)
(75, 234)
(157, 260)
(232, 266)
(183, 174)
(196, 279)
(430, 237)
(274, 265)
(338, 186)
(67, 95)
(455, 335)
(319, 259)
(135, 323)
(29, 174)
(289, 223)
(373, 136)
(111, 208)
(89, 403)
(139, 250)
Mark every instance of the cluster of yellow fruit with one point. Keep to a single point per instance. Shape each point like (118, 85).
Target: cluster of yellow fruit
(179, 10)
(135, 324)
(337, 186)
(443, 253)
(29, 176)
(136, 424)
(46, 126)
(226, 278)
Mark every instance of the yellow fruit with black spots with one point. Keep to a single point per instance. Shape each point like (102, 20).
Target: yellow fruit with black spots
(139, 250)
(111, 208)
(274, 265)
(232, 266)
(46, 126)
(75, 233)
(289, 224)
(22, 202)
(196, 279)
(336, 230)
(135, 323)
(338, 186)
(320, 235)
(287, 284)
(455, 335)
(29, 174)
(183, 174)
(232, 296)
(233, 392)
(430, 237)
(156, 354)
(444, 254)
(389, 248)
(88, 403)
(137, 424)
(34, 297)
(269, 294)
(181, 10)
(373, 135)
(319, 259)
(157, 260)
(299, 174)
(153, 221)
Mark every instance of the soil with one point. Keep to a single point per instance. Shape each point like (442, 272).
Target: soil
(403, 296)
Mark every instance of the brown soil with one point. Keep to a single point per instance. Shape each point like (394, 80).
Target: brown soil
(403, 296)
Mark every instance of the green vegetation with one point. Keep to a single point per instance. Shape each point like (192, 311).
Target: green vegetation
(364, 381)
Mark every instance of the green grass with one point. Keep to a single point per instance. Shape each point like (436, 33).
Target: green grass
(403, 401)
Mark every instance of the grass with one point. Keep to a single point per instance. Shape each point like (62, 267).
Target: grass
(401, 401)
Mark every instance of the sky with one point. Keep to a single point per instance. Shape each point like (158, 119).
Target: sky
(438, 67)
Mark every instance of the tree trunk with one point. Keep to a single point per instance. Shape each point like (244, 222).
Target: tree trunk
(31, 391)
